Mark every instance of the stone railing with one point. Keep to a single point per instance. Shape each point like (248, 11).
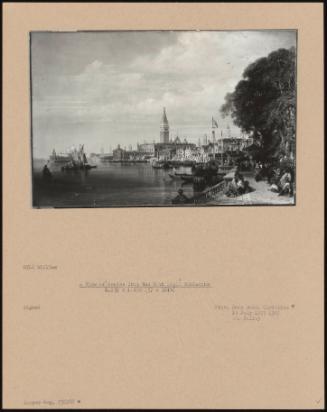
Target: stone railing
(209, 193)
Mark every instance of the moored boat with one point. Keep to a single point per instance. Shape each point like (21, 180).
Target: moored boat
(76, 160)
(161, 165)
(166, 165)
(78, 167)
(187, 177)
(174, 176)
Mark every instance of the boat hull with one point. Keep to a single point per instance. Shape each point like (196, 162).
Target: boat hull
(73, 168)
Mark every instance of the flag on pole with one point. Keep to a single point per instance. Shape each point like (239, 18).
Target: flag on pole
(214, 123)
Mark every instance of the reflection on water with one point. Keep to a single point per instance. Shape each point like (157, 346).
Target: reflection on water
(110, 184)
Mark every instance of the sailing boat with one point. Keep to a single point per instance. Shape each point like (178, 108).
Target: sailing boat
(80, 162)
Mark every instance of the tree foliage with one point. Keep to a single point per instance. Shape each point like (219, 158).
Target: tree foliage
(264, 101)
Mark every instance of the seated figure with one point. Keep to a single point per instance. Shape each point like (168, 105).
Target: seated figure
(180, 198)
(285, 186)
(46, 172)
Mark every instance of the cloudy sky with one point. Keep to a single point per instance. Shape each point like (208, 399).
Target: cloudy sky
(105, 88)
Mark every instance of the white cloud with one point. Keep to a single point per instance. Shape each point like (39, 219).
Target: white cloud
(189, 76)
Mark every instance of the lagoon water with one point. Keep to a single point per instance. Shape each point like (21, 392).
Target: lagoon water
(109, 185)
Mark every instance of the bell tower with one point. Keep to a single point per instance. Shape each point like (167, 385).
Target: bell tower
(164, 128)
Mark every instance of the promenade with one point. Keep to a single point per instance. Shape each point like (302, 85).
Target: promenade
(260, 196)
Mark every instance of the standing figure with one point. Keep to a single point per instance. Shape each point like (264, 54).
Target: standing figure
(46, 172)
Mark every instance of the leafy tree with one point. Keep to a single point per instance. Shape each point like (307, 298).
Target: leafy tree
(264, 102)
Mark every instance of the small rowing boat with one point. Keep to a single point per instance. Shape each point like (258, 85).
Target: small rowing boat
(174, 176)
(187, 177)
(78, 167)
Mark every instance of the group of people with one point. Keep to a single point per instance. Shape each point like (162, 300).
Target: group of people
(237, 186)
(279, 178)
(205, 170)
(281, 183)
(262, 170)
(180, 198)
(247, 164)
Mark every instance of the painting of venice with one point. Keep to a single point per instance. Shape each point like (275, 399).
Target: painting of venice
(163, 118)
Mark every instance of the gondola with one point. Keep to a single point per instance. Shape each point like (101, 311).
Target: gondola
(187, 178)
(78, 167)
(166, 165)
(174, 176)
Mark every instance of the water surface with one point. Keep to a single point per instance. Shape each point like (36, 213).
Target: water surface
(110, 184)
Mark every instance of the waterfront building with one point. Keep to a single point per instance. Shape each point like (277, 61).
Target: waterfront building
(165, 151)
(134, 155)
(219, 147)
(146, 148)
(186, 152)
(60, 158)
(119, 154)
(232, 144)
(164, 128)
(175, 150)
(213, 136)
(202, 154)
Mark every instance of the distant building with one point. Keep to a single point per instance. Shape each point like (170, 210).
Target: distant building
(146, 148)
(164, 128)
(186, 152)
(231, 144)
(119, 154)
(133, 155)
(175, 150)
(213, 136)
(219, 146)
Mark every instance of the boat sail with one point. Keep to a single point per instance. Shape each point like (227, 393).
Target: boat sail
(78, 160)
